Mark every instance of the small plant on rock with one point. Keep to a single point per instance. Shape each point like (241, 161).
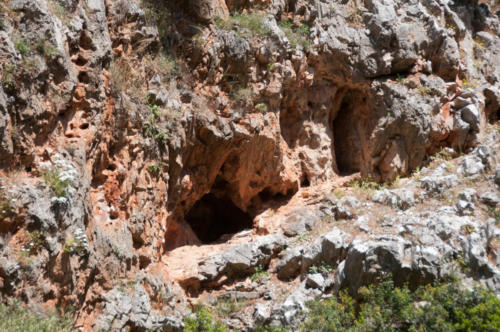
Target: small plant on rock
(495, 214)
(247, 25)
(151, 127)
(261, 107)
(154, 168)
(36, 241)
(46, 48)
(259, 274)
(242, 95)
(74, 246)
(424, 91)
(296, 35)
(203, 321)
(8, 75)
(443, 154)
(400, 79)
(22, 47)
(323, 268)
(60, 11)
(58, 182)
(226, 307)
(14, 317)
(355, 19)
(6, 209)
(338, 192)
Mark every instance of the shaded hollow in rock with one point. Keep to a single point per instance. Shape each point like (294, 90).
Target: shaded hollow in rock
(211, 217)
(346, 137)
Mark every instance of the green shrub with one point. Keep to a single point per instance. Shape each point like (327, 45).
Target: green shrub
(203, 321)
(400, 79)
(123, 79)
(495, 214)
(322, 268)
(338, 192)
(8, 75)
(248, 25)
(154, 168)
(151, 127)
(261, 107)
(22, 47)
(74, 246)
(36, 241)
(46, 48)
(242, 95)
(58, 185)
(60, 11)
(16, 318)
(296, 35)
(226, 307)
(365, 186)
(6, 209)
(442, 307)
(337, 314)
(163, 64)
(259, 274)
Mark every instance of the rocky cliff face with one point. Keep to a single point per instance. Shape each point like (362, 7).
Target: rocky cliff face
(138, 136)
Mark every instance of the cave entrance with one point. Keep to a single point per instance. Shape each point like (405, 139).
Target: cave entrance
(346, 138)
(211, 217)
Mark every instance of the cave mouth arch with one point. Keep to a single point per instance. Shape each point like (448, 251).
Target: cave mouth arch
(346, 140)
(211, 217)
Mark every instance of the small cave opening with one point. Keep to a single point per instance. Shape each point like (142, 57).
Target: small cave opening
(346, 138)
(211, 217)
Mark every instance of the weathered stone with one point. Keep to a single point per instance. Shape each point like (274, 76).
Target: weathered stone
(315, 280)
(490, 198)
(300, 222)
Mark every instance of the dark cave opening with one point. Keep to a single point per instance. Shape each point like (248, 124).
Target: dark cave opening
(211, 217)
(346, 138)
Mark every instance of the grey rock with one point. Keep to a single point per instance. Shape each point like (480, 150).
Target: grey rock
(132, 309)
(471, 166)
(239, 259)
(352, 202)
(468, 195)
(300, 222)
(472, 116)
(483, 153)
(490, 198)
(329, 248)
(398, 198)
(438, 184)
(315, 280)
(159, 96)
(368, 259)
(461, 102)
(446, 225)
(465, 207)
(262, 313)
(294, 304)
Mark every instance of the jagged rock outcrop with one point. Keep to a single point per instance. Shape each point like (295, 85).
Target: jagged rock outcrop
(129, 129)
